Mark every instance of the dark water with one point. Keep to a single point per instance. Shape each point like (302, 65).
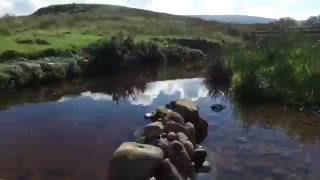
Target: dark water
(70, 130)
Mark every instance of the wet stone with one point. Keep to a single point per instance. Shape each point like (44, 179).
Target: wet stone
(206, 167)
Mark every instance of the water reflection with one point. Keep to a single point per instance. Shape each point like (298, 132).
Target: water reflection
(181, 88)
(69, 130)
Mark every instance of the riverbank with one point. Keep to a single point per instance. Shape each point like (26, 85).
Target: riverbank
(103, 57)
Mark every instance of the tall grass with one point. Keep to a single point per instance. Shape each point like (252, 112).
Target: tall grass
(286, 70)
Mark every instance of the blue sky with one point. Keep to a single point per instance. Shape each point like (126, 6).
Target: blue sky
(298, 9)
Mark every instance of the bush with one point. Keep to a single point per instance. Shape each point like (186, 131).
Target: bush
(42, 42)
(24, 40)
(4, 31)
(122, 51)
(10, 54)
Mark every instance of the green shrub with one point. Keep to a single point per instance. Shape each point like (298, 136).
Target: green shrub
(24, 40)
(4, 31)
(10, 55)
(42, 42)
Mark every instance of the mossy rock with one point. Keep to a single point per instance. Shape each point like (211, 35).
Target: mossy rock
(32, 71)
(4, 80)
(54, 71)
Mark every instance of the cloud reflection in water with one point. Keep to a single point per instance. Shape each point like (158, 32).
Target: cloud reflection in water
(183, 88)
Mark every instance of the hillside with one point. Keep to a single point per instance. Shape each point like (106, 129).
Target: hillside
(236, 19)
(74, 26)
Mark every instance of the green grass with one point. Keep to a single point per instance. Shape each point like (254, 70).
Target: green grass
(87, 23)
(61, 41)
(285, 70)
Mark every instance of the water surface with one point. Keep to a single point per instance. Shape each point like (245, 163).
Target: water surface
(70, 130)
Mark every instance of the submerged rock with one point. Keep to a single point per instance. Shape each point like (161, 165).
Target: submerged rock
(217, 108)
(199, 156)
(133, 161)
(205, 168)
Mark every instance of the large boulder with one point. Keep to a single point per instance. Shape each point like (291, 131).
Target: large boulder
(186, 108)
(173, 116)
(201, 129)
(190, 113)
(133, 161)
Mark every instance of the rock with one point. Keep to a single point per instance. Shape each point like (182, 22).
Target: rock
(170, 126)
(163, 143)
(182, 136)
(199, 157)
(169, 171)
(189, 147)
(174, 116)
(73, 70)
(205, 168)
(163, 135)
(201, 129)
(186, 108)
(180, 159)
(217, 108)
(190, 113)
(133, 161)
(153, 130)
(190, 132)
(172, 137)
(161, 112)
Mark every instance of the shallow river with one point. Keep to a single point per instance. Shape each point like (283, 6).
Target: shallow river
(70, 130)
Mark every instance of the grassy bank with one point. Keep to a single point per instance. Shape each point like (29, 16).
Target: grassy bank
(284, 70)
(117, 53)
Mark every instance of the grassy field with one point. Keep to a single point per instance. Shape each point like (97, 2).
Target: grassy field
(76, 25)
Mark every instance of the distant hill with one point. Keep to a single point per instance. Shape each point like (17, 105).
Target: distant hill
(236, 19)
(94, 9)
